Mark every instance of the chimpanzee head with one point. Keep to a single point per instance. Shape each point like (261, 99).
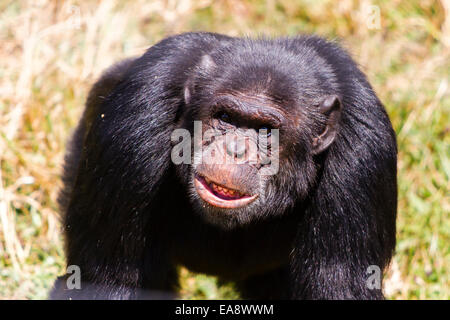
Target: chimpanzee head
(257, 128)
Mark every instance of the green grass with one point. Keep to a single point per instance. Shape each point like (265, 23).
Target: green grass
(52, 51)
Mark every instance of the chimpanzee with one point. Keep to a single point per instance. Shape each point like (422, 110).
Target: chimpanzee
(306, 217)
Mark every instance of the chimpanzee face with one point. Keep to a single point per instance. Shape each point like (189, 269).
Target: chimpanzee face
(252, 155)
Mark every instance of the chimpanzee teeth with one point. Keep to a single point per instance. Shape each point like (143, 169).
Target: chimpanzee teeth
(224, 190)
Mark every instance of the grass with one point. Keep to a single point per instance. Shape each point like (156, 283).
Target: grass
(51, 52)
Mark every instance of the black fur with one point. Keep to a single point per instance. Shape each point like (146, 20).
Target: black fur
(129, 214)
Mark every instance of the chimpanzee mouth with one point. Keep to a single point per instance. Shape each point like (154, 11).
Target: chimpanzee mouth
(219, 195)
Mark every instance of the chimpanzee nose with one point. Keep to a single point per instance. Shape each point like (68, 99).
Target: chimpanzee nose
(236, 148)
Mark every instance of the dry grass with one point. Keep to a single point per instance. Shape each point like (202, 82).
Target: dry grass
(52, 51)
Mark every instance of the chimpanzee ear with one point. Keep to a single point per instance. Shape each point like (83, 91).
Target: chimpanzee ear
(205, 65)
(331, 107)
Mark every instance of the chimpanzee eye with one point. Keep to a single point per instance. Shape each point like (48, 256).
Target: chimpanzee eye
(267, 130)
(225, 117)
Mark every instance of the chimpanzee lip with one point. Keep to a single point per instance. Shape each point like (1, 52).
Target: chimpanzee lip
(219, 195)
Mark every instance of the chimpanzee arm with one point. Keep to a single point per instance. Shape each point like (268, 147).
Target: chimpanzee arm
(123, 159)
(349, 223)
